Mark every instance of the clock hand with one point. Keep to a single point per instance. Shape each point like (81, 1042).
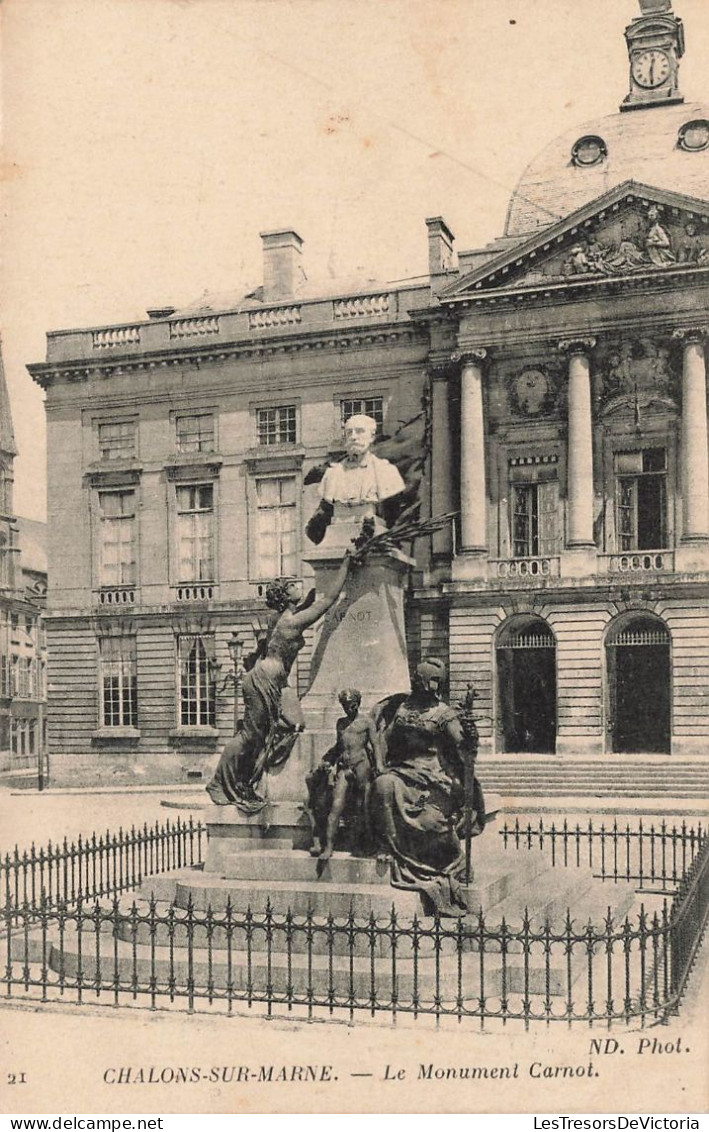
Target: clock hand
(652, 70)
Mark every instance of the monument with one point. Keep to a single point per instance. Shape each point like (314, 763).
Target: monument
(402, 761)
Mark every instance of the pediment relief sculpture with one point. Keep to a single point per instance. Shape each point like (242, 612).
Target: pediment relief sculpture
(629, 230)
(638, 246)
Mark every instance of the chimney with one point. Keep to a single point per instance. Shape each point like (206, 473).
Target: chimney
(441, 257)
(282, 270)
(160, 312)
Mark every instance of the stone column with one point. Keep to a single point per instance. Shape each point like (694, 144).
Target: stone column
(579, 467)
(473, 486)
(695, 449)
(441, 467)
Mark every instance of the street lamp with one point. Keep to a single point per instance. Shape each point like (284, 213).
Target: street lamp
(235, 646)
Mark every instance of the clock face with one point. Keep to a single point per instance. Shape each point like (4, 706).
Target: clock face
(651, 69)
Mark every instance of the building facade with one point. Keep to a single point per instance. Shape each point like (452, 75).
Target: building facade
(561, 370)
(23, 586)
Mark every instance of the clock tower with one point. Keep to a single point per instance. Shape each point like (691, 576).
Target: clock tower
(655, 46)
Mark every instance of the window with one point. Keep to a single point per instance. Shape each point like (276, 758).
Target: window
(23, 736)
(118, 682)
(18, 735)
(277, 425)
(589, 150)
(197, 685)
(534, 506)
(195, 532)
(641, 499)
(694, 135)
(276, 518)
(23, 677)
(195, 433)
(117, 538)
(116, 440)
(368, 406)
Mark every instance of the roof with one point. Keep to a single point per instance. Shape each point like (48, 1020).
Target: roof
(642, 146)
(212, 302)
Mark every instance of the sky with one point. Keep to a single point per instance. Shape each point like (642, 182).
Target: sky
(146, 143)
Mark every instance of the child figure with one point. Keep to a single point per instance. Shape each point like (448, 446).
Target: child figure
(352, 764)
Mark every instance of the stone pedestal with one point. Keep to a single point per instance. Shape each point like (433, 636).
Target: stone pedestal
(361, 642)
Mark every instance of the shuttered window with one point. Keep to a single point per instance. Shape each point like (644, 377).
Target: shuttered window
(276, 518)
(195, 532)
(641, 499)
(534, 507)
(117, 538)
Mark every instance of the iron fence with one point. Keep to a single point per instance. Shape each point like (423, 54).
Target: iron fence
(472, 969)
(72, 931)
(99, 865)
(656, 857)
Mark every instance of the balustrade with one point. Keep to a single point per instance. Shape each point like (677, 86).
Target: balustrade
(114, 336)
(274, 317)
(361, 306)
(524, 567)
(194, 327)
(123, 596)
(200, 592)
(639, 561)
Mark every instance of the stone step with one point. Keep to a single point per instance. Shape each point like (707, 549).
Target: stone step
(680, 780)
(632, 775)
(519, 789)
(496, 873)
(317, 934)
(497, 879)
(296, 865)
(137, 967)
(317, 897)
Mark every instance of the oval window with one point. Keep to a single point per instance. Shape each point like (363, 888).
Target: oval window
(694, 135)
(589, 151)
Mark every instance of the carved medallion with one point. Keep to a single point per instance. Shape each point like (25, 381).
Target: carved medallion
(531, 393)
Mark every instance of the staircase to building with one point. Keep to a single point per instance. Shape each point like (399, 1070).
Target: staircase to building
(610, 776)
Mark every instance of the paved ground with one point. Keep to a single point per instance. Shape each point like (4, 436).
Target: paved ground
(28, 816)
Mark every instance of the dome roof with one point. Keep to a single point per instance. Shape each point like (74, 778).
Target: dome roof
(640, 145)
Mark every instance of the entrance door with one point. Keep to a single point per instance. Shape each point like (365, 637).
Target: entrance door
(526, 672)
(639, 686)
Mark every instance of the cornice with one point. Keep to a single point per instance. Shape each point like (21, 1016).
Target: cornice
(78, 370)
(661, 324)
(552, 293)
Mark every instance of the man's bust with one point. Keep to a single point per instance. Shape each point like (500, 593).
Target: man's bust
(353, 489)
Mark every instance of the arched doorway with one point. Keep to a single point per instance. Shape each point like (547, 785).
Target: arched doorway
(526, 685)
(639, 684)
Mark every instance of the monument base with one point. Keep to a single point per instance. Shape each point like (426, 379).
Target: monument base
(361, 641)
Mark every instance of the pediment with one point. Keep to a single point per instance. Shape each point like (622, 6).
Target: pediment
(631, 230)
